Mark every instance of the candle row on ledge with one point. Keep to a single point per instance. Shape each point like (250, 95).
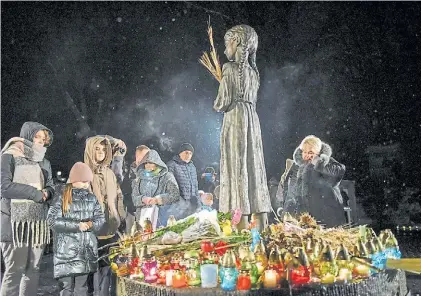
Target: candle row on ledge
(312, 262)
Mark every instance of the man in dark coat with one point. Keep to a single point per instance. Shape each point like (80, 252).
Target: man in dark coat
(185, 173)
(313, 186)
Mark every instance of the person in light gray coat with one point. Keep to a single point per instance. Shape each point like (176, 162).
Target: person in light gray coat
(154, 185)
(26, 188)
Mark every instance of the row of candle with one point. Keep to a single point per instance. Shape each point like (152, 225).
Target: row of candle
(253, 269)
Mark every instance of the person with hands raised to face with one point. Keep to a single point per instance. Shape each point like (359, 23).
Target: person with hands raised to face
(75, 219)
(313, 184)
(27, 187)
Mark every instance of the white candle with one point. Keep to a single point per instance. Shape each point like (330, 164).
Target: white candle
(270, 280)
(168, 278)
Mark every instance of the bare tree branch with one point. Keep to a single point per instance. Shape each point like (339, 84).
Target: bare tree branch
(80, 118)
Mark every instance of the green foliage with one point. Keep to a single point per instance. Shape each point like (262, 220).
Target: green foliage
(177, 228)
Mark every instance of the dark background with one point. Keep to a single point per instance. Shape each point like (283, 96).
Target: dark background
(346, 72)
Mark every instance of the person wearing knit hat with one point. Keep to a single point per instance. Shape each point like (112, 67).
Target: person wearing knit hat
(184, 170)
(80, 172)
(72, 218)
(186, 147)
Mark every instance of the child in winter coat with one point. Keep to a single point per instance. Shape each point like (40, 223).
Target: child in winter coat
(75, 219)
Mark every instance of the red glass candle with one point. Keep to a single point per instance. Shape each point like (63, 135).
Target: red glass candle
(301, 275)
(163, 266)
(175, 262)
(244, 281)
(134, 263)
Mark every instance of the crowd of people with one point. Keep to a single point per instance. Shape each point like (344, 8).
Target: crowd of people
(103, 199)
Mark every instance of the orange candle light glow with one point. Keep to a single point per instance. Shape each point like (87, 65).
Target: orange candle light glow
(270, 280)
(179, 279)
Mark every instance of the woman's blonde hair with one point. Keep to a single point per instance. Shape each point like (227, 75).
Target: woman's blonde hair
(47, 140)
(313, 141)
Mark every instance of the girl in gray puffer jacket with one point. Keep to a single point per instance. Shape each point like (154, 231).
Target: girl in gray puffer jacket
(75, 219)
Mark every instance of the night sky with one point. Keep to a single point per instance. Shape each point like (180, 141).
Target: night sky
(346, 72)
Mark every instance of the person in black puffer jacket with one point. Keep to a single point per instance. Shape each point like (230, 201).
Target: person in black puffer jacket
(184, 171)
(76, 218)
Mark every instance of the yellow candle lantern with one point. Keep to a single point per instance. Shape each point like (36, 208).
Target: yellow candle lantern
(384, 235)
(345, 265)
(285, 257)
(276, 263)
(136, 230)
(371, 247)
(248, 261)
(271, 279)
(313, 250)
(328, 266)
(178, 279)
(261, 258)
(361, 270)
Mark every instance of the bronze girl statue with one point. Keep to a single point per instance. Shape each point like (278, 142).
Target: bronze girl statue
(243, 174)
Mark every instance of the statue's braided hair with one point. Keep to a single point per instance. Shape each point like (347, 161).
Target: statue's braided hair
(248, 41)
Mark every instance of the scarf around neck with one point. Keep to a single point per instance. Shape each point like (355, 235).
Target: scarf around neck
(28, 218)
(20, 147)
(153, 173)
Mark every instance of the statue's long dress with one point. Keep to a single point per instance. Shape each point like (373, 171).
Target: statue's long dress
(243, 182)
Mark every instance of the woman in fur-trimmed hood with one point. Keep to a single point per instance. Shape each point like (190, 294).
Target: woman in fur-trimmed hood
(26, 188)
(313, 185)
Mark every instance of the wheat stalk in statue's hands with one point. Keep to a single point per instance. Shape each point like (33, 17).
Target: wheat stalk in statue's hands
(212, 63)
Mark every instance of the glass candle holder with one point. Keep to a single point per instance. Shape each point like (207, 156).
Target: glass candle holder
(178, 279)
(300, 275)
(345, 270)
(361, 271)
(244, 281)
(163, 266)
(175, 262)
(168, 277)
(271, 279)
(209, 275)
(137, 274)
(228, 277)
(393, 253)
(344, 275)
(254, 276)
(149, 269)
(378, 259)
(193, 274)
(328, 272)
